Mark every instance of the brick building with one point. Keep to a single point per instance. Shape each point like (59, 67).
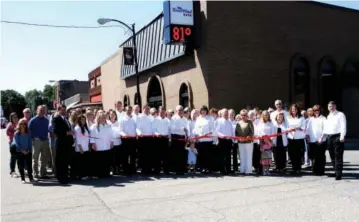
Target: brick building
(248, 53)
(68, 88)
(95, 85)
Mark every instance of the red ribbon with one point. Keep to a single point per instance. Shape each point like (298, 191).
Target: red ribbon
(240, 138)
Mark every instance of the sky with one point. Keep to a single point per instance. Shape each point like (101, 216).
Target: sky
(31, 56)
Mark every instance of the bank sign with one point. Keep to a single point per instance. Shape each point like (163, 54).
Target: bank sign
(178, 21)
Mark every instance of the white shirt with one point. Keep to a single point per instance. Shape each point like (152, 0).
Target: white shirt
(116, 131)
(215, 123)
(336, 123)
(144, 125)
(81, 139)
(255, 124)
(135, 116)
(265, 129)
(128, 126)
(203, 126)
(224, 127)
(315, 127)
(120, 115)
(283, 128)
(104, 136)
(161, 126)
(274, 114)
(296, 123)
(190, 126)
(178, 125)
(234, 124)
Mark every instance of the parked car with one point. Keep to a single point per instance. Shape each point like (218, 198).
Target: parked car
(3, 122)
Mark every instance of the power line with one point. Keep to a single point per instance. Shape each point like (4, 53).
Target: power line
(59, 26)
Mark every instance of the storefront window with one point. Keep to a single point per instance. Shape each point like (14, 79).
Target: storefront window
(154, 93)
(183, 95)
(300, 75)
(126, 101)
(327, 82)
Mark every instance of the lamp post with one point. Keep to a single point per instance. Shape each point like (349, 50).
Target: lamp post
(103, 21)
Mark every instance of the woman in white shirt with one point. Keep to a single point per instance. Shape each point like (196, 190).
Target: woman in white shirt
(204, 126)
(256, 148)
(102, 140)
(296, 138)
(314, 131)
(116, 150)
(81, 163)
(280, 142)
(265, 128)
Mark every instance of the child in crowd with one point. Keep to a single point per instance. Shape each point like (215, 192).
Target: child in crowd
(192, 156)
(266, 160)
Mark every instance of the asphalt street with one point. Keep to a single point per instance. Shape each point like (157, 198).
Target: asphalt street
(188, 198)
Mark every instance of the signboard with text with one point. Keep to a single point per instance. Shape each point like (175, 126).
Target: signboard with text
(178, 21)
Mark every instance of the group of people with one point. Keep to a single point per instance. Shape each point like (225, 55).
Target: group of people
(94, 143)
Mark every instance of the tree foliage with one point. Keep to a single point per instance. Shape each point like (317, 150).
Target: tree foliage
(12, 101)
(49, 92)
(33, 99)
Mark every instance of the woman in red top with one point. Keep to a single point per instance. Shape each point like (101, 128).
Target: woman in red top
(10, 131)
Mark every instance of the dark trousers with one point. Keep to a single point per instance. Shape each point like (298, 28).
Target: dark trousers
(62, 161)
(317, 155)
(225, 147)
(296, 153)
(336, 151)
(81, 164)
(280, 157)
(128, 155)
(115, 155)
(256, 159)
(205, 155)
(13, 158)
(235, 156)
(103, 163)
(23, 160)
(178, 154)
(146, 147)
(160, 155)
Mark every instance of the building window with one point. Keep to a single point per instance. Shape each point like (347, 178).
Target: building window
(300, 81)
(184, 95)
(92, 83)
(349, 102)
(126, 101)
(135, 101)
(154, 93)
(98, 81)
(328, 88)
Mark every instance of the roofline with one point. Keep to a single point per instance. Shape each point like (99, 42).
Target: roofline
(144, 27)
(328, 5)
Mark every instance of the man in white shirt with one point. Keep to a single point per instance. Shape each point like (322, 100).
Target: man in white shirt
(119, 112)
(161, 129)
(224, 129)
(144, 132)
(153, 113)
(335, 129)
(129, 142)
(179, 130)
(279, 108)
(136, 112)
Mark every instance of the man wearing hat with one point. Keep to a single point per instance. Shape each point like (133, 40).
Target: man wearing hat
(279, 108)
(335, 129)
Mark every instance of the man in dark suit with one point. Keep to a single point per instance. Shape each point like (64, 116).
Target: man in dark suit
(63, 143)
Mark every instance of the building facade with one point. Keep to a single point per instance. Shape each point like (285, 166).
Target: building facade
(95, 85)
(251, 53)
(68, 88)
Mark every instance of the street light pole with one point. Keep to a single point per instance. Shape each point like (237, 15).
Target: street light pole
(103, 21)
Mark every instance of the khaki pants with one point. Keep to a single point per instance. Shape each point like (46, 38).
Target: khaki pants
(40, 149)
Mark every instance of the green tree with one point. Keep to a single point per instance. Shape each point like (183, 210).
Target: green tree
(12, 101)
(33, 99)
(49, 92)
